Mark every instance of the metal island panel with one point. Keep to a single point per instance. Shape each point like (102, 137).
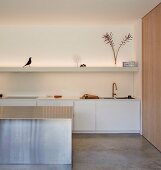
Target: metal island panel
(36, 134)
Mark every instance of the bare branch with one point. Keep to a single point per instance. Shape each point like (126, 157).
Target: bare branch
(109, 40)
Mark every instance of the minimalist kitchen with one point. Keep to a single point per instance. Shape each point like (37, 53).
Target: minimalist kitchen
(80, 86)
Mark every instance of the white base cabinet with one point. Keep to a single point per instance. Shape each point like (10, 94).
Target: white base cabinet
(107, 116)
(93, 116)
(118, 116)
(84, 116)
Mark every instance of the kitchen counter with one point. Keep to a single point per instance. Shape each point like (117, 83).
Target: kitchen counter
(90, 115)
(73, 99)
(59, 99)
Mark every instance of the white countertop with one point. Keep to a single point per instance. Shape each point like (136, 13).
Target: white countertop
(58, 99)
(66, 98)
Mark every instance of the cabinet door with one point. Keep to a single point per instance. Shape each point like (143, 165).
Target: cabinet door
(52, 102)
(18, 102)
(84, 115)
(118, 116)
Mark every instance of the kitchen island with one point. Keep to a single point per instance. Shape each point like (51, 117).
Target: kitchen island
(36, 134)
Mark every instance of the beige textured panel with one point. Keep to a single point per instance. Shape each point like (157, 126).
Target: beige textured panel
(152, 77)
(36, 112)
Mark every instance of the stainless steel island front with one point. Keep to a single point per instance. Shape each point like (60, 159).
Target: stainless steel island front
(36, 134)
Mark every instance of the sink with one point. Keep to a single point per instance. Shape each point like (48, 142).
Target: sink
(20, 97)
(128, 97)
(106, 98)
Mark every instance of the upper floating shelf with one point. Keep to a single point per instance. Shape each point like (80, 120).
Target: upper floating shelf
(69, 69)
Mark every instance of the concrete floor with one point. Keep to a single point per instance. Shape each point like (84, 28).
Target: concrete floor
(105, 152)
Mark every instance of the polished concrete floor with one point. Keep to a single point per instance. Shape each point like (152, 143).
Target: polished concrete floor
(105, 152)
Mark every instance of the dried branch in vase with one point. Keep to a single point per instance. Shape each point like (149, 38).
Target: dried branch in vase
(109, 40)
(77, 59)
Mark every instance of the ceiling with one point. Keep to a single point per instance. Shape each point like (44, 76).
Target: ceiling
(54, 12)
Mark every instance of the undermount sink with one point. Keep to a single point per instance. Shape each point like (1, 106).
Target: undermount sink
(125, 97)
(20, 97)
(106, 98)
(128, 97)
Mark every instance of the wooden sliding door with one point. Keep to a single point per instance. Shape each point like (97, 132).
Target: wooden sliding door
(152, 77)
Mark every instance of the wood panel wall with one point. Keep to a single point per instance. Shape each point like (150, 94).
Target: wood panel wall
(152, 76)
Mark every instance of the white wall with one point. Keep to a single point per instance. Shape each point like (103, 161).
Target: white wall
(56, 46)
(66, 84)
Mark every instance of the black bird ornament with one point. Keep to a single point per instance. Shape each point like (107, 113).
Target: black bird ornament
(28, 63)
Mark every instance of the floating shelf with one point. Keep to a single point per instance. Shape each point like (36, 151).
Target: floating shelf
(69, 69)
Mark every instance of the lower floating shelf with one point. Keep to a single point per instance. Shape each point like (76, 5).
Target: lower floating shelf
(69, 69)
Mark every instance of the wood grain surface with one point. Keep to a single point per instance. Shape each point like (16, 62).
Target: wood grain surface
(36, 112)
(152, 76)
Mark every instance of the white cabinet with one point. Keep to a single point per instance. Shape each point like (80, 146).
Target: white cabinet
(18, 102)
(54, 102)
(95, 116)
(84, 116)
(118, 116)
